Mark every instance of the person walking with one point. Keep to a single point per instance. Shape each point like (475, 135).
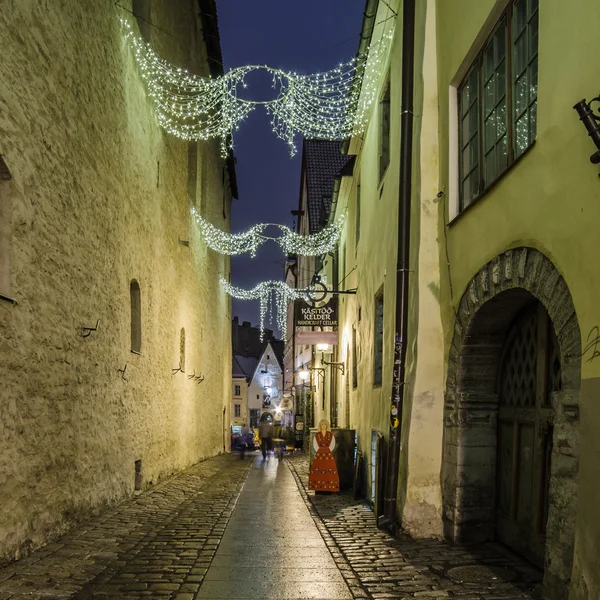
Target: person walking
(265, 431)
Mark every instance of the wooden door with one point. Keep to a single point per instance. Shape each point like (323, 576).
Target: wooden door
(529, 373)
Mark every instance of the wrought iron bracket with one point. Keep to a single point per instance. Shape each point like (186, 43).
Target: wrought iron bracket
(590, 117)
(122, 371)
(340, 366)
(87, 331)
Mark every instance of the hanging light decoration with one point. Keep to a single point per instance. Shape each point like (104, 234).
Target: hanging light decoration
(273, 295)
(329, 105)
(292, 243)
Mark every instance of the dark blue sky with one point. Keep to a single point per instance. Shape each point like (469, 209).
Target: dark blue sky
(303, 36)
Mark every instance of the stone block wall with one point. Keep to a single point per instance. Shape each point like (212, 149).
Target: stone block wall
(99, 197)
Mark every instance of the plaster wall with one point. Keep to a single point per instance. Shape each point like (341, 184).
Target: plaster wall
(548, 200)
(421, 511)
(99, 197)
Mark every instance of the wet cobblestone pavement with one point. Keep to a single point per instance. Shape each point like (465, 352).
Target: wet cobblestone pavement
(228, 528)
(403, 568)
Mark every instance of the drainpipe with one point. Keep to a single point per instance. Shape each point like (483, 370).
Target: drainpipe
(390, 499)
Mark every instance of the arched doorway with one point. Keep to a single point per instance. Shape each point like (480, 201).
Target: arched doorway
(511, 414)
(529, 372)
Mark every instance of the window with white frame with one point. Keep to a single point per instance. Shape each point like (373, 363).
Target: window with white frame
(237, 410)
(497, 101)
(237, 390)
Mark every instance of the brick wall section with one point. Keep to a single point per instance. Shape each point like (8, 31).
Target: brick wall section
(99, 196)
(492, 299)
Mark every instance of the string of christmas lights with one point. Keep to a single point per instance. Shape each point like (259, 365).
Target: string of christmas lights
(331, 105)
(250, 241)
(269, 293)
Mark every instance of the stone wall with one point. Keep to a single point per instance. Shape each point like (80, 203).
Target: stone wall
(99, 197)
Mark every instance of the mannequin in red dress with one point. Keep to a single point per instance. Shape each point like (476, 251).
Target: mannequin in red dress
(323, 471)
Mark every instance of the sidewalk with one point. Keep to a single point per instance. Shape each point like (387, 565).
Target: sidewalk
(405, 568)
(272, 548)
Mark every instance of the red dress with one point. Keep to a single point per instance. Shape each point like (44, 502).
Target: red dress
(323, 472)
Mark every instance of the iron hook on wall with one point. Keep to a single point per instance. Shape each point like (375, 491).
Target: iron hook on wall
(87, 331)
(122, 371)
(177, 370)
(199, 379)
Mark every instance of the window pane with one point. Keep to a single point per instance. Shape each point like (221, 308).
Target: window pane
(533, 79)
(465, 132)
(533, 36)
(519, 16)
(490, 167)
(473, 122)
(502, 154)
(521, 135)
(501, 118)
(521, 95)
(519, 55)
(490, 96)
(525, 73)
(475, 182)
(465, 100)
(466, 162)
(533, 122)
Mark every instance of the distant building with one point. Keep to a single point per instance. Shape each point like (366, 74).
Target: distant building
(243, 368)
(265, 390)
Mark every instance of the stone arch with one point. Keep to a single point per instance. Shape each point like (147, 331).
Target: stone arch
(493, 298)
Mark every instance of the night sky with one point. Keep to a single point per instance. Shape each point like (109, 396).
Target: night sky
(305, 37)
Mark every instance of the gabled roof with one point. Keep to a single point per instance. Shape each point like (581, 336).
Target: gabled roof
(322, 162)
(243, 366)
(274, 345)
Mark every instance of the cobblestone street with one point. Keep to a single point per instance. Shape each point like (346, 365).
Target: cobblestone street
(387, 567)
(228, 528)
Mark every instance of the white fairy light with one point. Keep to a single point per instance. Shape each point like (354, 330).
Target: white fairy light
(232, 244)
(268, 292)
(329, 105)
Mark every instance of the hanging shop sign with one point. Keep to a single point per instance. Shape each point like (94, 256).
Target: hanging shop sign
(306, 315)
(317, 337)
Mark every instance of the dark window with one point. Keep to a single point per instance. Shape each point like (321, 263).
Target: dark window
(254, 417)
(237, 410)
(238, 390)
(182, 349)
(378, 345)
(141, 11)
(192, 171)
(384, 130)
(497, 101)
(357, 232)
(136, 316)
(354, 360)
(5, 227)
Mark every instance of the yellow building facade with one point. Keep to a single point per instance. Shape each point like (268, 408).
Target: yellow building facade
(497, 429)
(519, 293)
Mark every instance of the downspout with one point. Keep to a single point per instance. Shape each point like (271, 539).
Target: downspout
(390, 499)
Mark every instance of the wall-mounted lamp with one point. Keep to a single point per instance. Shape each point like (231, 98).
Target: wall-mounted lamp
(591, 122)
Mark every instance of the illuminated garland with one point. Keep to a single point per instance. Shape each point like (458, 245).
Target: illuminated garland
(266, 291)
(232, 244)
(329, 105)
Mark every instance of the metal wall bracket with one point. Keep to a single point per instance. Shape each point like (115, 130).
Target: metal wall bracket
(87, 331)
